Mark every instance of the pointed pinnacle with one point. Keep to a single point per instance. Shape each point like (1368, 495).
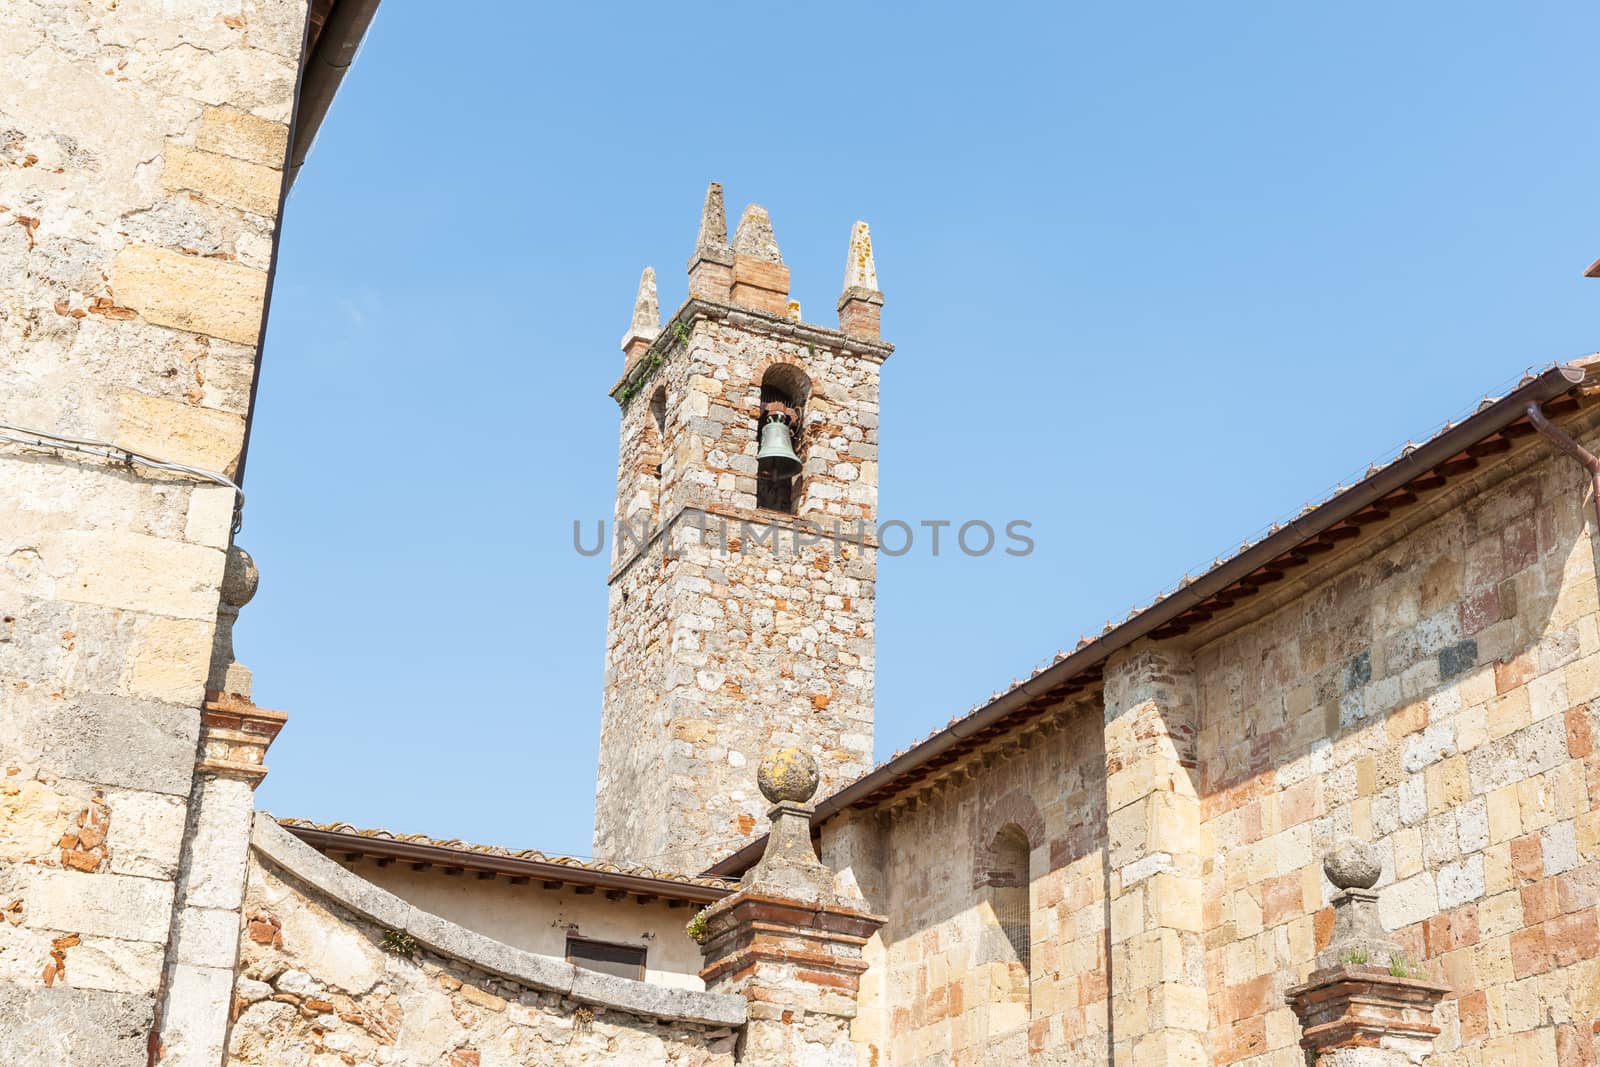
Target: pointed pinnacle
(713, 221)
(754, 237)
(646, 324)
(859, 270)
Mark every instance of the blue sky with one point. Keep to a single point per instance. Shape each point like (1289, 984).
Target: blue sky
(1157, 275)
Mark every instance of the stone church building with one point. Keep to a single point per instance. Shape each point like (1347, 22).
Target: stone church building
(1335, 801)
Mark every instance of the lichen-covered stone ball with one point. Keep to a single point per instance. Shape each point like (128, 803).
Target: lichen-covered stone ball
(1353, 864)
(239, 578)
(787, 774)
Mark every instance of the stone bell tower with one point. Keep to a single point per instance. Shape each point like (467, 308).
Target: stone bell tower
(741, 585)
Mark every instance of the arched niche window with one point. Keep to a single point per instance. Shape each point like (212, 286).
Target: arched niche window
(780, 437)
(652, 452)
(658, 426)
(1008, 942)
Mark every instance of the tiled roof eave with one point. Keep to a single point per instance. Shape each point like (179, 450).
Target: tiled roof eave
(337, 839)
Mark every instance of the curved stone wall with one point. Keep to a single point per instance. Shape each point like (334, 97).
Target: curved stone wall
(331, 964)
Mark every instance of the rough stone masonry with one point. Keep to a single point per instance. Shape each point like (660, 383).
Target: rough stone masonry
(724, 640)
(142, 155)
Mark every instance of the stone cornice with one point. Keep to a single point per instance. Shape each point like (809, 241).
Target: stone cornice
(822, 527)
(234, 737)
(754, 321)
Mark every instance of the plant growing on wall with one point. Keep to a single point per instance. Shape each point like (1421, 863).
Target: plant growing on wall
(697, 928)
(399, 943)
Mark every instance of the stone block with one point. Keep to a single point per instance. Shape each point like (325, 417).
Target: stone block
(210, 517)
(115, 741)
(64, 1027)
(114, 965)
(206, 296)
(108, 905)
(135, 572)
(194, 1025)
(33, 816)
(170, 660)
(242, 135)
(181, 433)
(207, 937)
(145, 837)
(219, 845)
(221, 179)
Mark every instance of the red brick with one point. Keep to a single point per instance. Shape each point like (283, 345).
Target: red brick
(1474, 1017)
(1251, 998)
(1572, 938)
(1480, 610)
(1574, 1047)
(1280, 898)
(1322, 927)
(1580, 888)
(1527, 857)
(1529, 955)
(1520, 542)
(1512, 673)
(1240, 1041)
(1580, 731)
(1541, 901)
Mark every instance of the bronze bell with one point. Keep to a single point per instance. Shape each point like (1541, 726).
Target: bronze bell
(777, 449)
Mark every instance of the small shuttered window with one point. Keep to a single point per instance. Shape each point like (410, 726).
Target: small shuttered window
(624, 961)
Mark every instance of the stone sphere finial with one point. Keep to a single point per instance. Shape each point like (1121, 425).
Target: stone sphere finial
(1353, 864)
(239, 578)
(787, 774)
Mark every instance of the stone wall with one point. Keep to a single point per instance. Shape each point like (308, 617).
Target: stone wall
(141, 155)
(1435, 698)
(940, 988)
(537, 919)
(336, 970)
(724, 647)
(1434, 689)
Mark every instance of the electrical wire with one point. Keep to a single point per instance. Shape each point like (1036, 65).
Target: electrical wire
(121, 454)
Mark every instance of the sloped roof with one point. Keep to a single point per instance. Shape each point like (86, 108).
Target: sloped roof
(453, 854)
(1416, 471)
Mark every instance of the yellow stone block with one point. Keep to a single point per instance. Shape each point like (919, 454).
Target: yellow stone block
(206, 296)
(1447, 785)
(1366, 776)
(1505, 814)
(1175, 902)
(1588, 833)
(222, 179)
(1500, 914)
(1127, 915)
(1537, 800)
(1472, 728)
(1407, 846)
(243, 136)
(1497, 874)
(1408, 720)
(136, 572)
(1509, 713)
(1361, 818)
(1491, 958)
(170, 660)
(179, 432)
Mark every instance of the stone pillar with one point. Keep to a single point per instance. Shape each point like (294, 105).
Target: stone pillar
(711, 266)
(192, 1030)
(1365, 1005)
(861, 303)
(788, 941)
(1159, 1009)
(760, 280)
(646, 324)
